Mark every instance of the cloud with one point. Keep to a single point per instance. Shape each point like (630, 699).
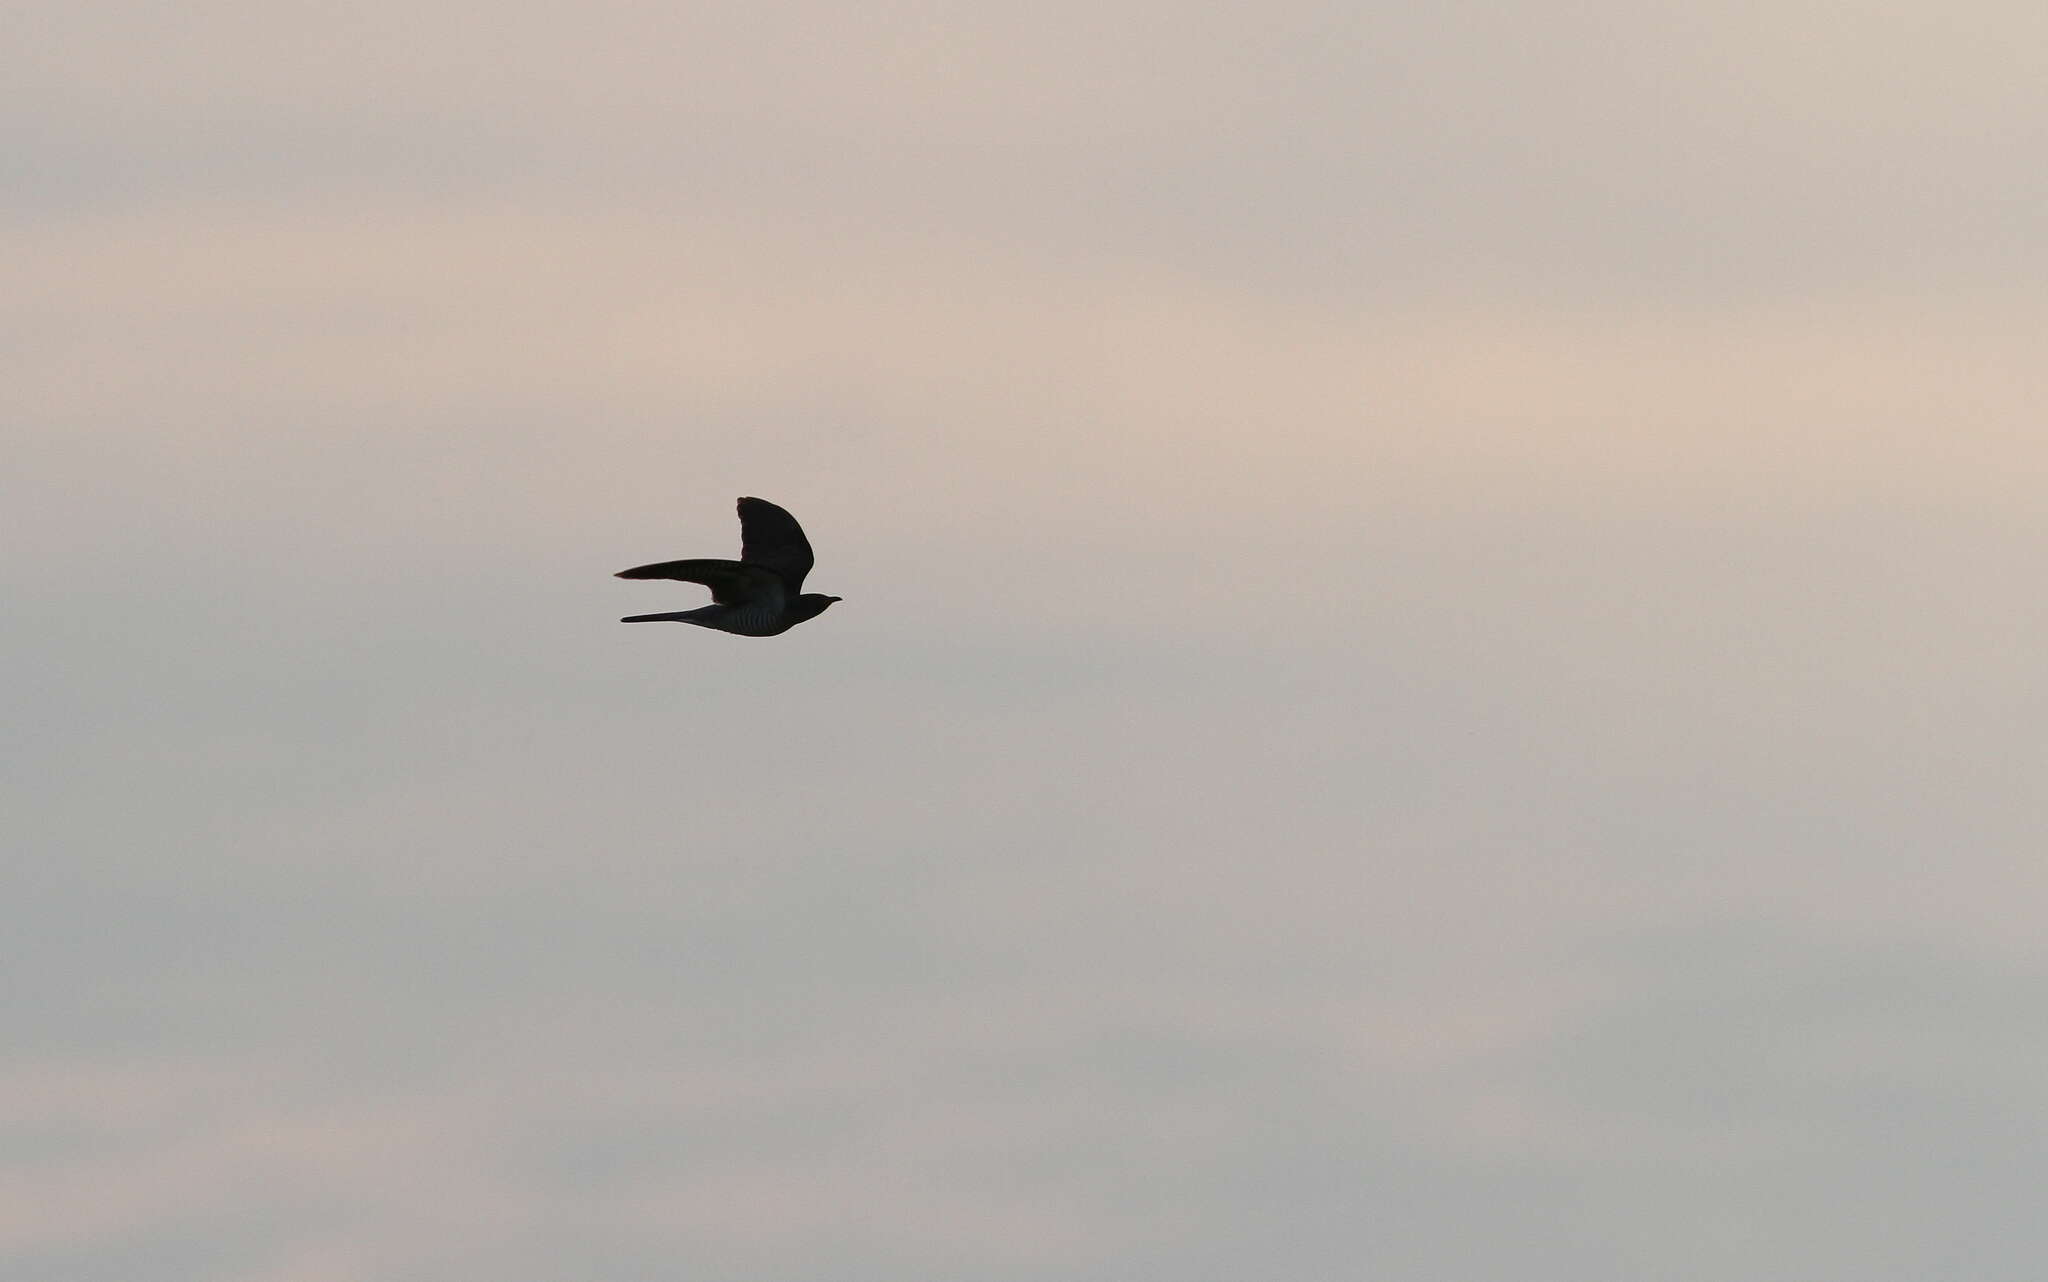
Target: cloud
(1433, 673)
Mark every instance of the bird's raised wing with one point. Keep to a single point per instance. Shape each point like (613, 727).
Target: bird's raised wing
(771, 539)
(731, 582)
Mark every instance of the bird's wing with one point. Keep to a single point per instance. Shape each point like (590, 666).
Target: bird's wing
(731, 582)
(771, 538)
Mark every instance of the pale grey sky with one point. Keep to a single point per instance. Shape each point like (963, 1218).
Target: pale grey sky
(1440, 673)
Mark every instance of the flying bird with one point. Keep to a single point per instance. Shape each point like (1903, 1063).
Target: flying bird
(755, 596)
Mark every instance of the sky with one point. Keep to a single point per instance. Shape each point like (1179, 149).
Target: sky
(1440, 673)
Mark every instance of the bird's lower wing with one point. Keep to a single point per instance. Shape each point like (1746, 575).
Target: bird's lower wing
(731, 583)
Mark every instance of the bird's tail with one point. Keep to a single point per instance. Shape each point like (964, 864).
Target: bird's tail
(683, 616)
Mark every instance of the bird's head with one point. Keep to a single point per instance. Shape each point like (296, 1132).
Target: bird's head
(812, 604)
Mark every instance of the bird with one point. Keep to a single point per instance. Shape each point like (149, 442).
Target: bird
(755, 596)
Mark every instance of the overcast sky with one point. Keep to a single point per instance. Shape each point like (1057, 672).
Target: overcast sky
(1441, 672)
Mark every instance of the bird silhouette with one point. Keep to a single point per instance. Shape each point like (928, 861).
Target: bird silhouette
(755, 596)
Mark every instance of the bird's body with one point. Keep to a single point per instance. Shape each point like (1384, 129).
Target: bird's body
(759, 594)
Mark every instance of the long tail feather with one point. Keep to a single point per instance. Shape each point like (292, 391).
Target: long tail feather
(658, 618)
